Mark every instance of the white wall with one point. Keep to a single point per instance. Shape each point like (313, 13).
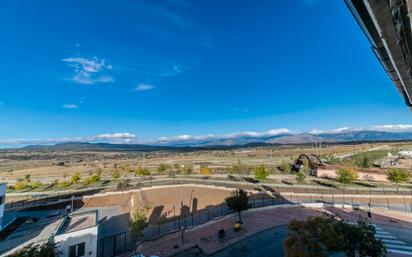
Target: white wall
(2, 193)
(88, 235)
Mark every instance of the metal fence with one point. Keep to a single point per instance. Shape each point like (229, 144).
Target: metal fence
(179, 223)
(39, 199)
(115, 245)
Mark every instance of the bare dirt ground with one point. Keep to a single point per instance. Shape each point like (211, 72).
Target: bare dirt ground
(162, 203)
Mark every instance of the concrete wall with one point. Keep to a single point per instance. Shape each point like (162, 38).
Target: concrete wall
(88, 236)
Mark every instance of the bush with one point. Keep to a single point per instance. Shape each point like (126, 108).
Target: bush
(138, 222)
(330, 236)
(300, 176)
(36, 184)
(75, 178)
(347, 175)
(21, 185)
(204, 170)
(285, 167)
(397, 175)
(162, 168)
(142, 171)
(48, 249)
(115, 175)
(63, 184)
(94, 178)
(261, 172)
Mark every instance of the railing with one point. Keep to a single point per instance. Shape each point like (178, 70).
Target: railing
(179, 223)
(54, 198)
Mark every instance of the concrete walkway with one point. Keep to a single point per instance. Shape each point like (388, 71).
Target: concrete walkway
(257, 220)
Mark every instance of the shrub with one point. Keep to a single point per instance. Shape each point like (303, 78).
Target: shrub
(142, 171)
(36, 184)
(329, 236)
(397, 175)
(204, 170)
(94, 178)
(75, 178)
(138, 222)
(27, 177)
(285, 167)
(300, 176)
(261, 172)
(63, 184)
(347, 175)
(48, 249)
(115, 175)
(21, 185)
(162, 168)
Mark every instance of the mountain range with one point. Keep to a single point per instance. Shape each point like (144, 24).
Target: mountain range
(240, 141)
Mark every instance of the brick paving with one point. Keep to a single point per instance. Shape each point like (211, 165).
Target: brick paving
(205, 236)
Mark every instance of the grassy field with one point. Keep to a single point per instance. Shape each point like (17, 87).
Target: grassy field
(45, 170)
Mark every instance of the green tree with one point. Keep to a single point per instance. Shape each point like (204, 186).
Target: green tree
(347, 175)
(397, 175)
(238, 201)
(163, 168)
(138, 222)
(48, 249)
(327, 236)
(115, 175)
(75, 178)
(261, 172)
(300, 176)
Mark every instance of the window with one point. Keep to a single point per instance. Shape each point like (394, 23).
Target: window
(77, 250)
(2, 199)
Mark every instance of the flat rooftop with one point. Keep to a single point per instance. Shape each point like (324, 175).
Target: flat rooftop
(78, 221)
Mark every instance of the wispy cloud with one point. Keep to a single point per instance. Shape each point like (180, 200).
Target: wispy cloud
(122, 137)
(212, 137)
(89, 70)
(144, 87)
(70, 106)
(242, 109)
(380, 128)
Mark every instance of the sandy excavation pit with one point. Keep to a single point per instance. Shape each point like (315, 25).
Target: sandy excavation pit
(162, 202)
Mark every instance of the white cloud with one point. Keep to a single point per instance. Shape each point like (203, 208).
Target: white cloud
(144, 87)
(211, 137)
(70, 106)
(89, 70)
(242, 109)
(392, 128)
(116, 136)
(107, 138)
(381, 128)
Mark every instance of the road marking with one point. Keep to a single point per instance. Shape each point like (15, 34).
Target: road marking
(391, 241)
(400, 251)
(403, 247)
(381, 233)
(385, 237)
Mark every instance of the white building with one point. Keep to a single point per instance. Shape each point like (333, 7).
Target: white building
(2, 203)
(77, 235)
(405, 154)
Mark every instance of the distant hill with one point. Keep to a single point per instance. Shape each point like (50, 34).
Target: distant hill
(232, 143)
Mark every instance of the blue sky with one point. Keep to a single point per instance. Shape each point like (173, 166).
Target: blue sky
(166, 68)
